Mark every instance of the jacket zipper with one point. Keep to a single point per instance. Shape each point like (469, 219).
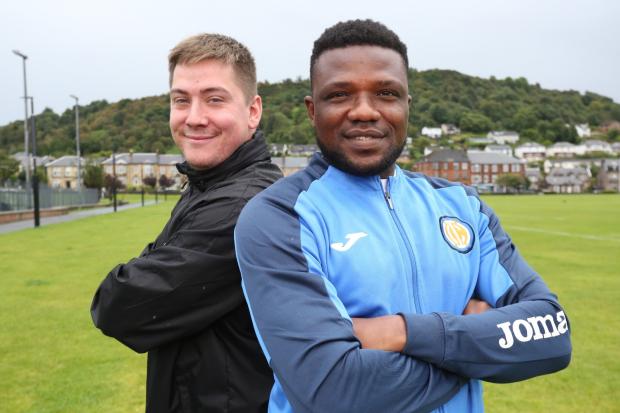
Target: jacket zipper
(403, 235)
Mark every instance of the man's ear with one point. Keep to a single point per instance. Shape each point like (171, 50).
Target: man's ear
(310, 108)
(256, 111)
(409, 99)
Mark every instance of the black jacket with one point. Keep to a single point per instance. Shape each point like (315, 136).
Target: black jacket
(181, 299)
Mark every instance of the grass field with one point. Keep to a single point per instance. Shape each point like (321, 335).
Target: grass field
(52, 359)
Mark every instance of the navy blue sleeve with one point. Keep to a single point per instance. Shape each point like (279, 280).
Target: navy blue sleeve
(525, 335)
(306, 334)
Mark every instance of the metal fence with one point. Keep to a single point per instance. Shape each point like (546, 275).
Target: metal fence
(19, 199)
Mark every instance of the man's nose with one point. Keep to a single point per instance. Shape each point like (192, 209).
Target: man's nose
(364, 110)
(197, 115)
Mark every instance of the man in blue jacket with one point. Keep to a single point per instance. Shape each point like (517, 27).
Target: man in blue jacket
(357, 273)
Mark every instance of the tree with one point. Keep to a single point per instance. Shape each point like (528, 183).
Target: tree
(93, 176)
(165, 182)
(110, 182)
(513, 182)
(149, 181)
(8, 167)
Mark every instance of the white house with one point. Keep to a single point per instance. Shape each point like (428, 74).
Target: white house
(503, 149)
(449, 129)
(594, 145)
(433, 133)
(504, 137)
(574, 180)
(531, 151)
(565, 150)
(583, 130)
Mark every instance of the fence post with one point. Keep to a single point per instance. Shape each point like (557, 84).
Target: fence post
(142, 195)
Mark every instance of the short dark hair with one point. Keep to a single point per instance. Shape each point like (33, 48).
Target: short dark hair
(357, 33)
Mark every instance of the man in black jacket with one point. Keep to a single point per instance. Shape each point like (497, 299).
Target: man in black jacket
(181, 299)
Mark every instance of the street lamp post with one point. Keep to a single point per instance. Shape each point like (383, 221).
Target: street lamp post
(27, 153)
(77, 141)
(35, 177)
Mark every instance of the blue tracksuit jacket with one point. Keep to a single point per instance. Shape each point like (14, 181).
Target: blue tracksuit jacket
(322, 246)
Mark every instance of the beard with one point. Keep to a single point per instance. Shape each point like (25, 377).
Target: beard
(339, 160)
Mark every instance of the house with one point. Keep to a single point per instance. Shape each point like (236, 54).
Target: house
(535, 177)
(571, 163)
(301, 150)
(503, 137)
(565, 150)
(63, 172)
(480, 140)
(612, 125)
(594, 145)
(487, 166)
(449, 129)
(277, 149)
(131, 168)
(608, 178)
(583, 130)
(531, 152)
(433, 133)
(568, 181)
(503, 149)
(23, 161)
(430, 149)
(450, 164)
(290, 164)
(615, 147)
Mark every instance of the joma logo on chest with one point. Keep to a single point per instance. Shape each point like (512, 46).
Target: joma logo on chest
(534, 328)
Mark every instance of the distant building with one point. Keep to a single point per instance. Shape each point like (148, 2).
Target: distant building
(615, 147)
(569, 181)
(594, 145)
(433, 133)
(449, 129)
(487, 166)
(301, 150)
(612, 125)
(583, 130)
(132, 168)
(62, 173)
(531, 152)
(290, 164)
(277, 149)
(23, 160)
(535, 177)
(565, 150)
(571, 163)
(430, 149)
(608, 178)
(503, 149)
(445, 163)
(480, 140)
(504, 137)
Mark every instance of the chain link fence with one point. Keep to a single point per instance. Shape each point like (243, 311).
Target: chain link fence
(19, 199)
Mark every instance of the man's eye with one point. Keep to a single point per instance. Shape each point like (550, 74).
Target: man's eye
(388, 93)
(337, 95)
(215, 99)
(180, 101)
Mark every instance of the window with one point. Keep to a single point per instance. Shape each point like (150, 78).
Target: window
(485, 168)
(475, 167)
(57, 172)
(435, 165)
(505, 167)
(475, 179)
(69, 172)
(455, 166)
(494, 168)
(445, 166)
(515, 167)
(464, 166)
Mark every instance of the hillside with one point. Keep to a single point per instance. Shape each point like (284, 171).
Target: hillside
(474, 104)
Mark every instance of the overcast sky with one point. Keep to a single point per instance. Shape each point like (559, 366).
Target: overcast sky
(117, 49)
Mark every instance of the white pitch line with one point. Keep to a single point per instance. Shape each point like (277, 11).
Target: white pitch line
(565, 234)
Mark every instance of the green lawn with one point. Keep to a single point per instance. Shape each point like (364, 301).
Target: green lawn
(52, 359)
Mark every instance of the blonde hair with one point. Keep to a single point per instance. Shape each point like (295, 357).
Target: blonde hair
(207, 46)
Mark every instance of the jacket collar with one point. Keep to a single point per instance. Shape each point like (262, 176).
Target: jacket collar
(252, 151)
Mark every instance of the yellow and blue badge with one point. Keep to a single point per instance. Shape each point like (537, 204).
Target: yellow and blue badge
(458, 234)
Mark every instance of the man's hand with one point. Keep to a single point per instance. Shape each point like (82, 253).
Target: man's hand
(475, 306)
(387, 333)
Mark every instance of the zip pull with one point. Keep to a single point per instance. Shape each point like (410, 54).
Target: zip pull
(386, 195)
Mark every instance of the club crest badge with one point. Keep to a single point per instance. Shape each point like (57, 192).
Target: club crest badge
(458, 234)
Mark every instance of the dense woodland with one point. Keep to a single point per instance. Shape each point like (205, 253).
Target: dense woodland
(439, 96)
